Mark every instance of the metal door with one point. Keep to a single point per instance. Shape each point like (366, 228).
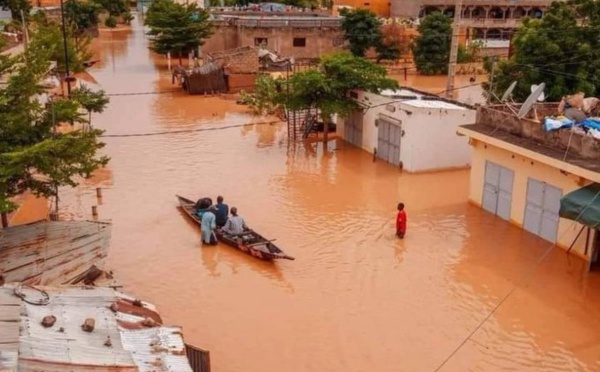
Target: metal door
(541, 209)
(353, 128)
(389, 138)
(497, 190)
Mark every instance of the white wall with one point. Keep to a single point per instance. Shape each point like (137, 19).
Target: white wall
(430, 141)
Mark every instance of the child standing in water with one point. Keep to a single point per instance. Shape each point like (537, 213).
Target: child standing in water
(401, 221)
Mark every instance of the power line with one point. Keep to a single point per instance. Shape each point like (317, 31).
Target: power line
(188, 130)
(518, 283)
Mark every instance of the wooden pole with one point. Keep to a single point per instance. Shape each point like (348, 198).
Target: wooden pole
(4, 219)
(98, 192)
(94, 210)
(454, 49)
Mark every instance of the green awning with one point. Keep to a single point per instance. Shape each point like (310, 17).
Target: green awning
(582, 205)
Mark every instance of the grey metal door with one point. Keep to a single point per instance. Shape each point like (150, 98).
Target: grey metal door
(541, 209)
(353, 128)
(497, 190)
(389, 138)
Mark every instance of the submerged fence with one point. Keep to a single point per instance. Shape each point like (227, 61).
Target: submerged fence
(199, 359)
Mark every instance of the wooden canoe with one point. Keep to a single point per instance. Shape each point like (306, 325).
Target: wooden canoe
(249, 241)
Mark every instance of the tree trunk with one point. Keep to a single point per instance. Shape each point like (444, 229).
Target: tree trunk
(90, 119)
(325, 133)
(179, 55)
(4, 220)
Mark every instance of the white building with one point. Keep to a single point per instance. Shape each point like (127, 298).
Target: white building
(410, 129)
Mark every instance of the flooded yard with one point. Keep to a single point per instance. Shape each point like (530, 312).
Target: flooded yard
(356, 298)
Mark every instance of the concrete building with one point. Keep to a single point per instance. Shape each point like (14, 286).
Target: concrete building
(524, 174)
(290, 36)
(410, 129)
(380, 7)
(490, 21)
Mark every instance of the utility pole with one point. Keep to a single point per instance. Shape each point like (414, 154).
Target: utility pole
(454, 49)
(64, 34)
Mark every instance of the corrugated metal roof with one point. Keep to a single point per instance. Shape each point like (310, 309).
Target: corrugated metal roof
(52, 252)
(10, 313)
(66, 346)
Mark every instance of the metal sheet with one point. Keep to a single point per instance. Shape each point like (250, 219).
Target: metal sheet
(65, 346)
(52, 252)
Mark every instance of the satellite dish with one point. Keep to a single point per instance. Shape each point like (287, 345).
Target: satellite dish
(541, 97)
(530, 101)
(508, 92)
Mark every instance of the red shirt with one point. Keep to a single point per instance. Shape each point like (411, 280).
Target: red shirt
(401, 221)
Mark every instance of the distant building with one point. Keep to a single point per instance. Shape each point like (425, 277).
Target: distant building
(290, 36)
(380, 7)
(409, 129)
(537, 180)
(490, 21)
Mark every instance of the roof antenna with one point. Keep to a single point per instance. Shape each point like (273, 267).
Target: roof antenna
(536, 95)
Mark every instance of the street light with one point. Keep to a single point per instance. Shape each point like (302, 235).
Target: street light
(64, 34)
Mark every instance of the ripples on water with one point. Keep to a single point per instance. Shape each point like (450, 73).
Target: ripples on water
(356, 298)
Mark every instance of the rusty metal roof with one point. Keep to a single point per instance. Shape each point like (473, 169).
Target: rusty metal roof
(52, 252)
(136, 343)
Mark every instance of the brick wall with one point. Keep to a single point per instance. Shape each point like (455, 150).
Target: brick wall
(238, 61)
(317, 41)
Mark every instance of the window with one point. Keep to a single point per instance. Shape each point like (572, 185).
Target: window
(258, 41)
(299, 41)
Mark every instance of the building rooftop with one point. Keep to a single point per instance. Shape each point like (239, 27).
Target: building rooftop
(417, 98)
(570, 150)
(128, 334)
(431, 103)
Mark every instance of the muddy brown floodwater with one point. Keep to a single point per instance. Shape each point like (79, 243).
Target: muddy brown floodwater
(356, 298)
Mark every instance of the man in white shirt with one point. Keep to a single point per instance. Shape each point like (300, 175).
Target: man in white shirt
(235, 224)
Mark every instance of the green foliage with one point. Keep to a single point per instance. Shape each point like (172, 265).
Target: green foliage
(91, 101)
(49, 38)
(16, 6)
(176, 27)
(34, 156)
(431, 49)
(362, 29)
(111, 22)
(81, 15)
(127, 17)
(327, 89)
(114, 7)
(562, 50)
(265, 99)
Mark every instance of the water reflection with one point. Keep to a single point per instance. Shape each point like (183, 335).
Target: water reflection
(356, 298)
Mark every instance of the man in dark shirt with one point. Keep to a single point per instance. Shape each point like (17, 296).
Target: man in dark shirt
(222, 212)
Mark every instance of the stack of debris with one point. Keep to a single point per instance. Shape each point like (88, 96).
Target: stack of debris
(578, 113)
(270, 61)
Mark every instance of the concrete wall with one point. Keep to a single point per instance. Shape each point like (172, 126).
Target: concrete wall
(523, 168)
(405, 8)
(429, 142)
(380, 7)
(280, 40)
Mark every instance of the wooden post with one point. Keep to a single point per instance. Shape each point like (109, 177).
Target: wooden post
(4, 219)
(94, 210)
(53, 216)
(98, 192)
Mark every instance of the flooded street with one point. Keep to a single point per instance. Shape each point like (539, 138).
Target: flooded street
(356, 298)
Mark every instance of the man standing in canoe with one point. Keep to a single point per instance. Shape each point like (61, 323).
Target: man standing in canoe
(401, 221)
(208, 226)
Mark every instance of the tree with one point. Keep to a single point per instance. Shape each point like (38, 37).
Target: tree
(16, 6)
(392, 43)
(362, 29)
(34, 155)
(82, 16)
(562, 50)
(431, 49)
(327, 88)
(114, 7)
(176, 27)
(49, 37)
(90, 100)
(127, 17)
(111, 22)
